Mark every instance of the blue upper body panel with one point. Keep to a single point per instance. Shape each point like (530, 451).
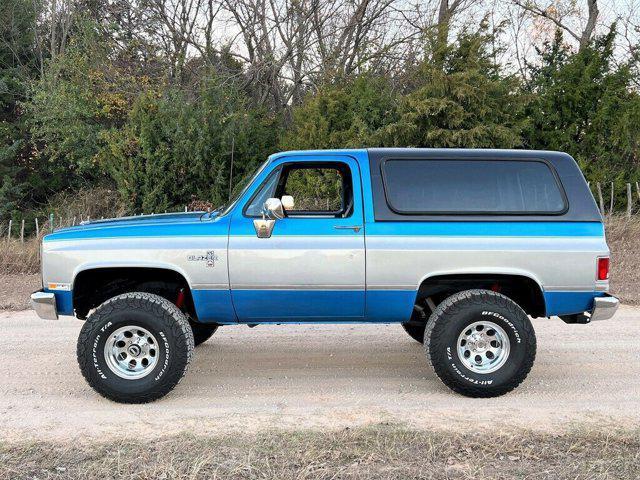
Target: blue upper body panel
(162, 225)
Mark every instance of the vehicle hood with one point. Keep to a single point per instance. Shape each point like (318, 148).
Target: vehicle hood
(161, 225)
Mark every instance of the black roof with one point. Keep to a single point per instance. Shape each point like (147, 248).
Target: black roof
(581, 204)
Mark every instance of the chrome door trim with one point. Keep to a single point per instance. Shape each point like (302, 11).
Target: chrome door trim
(355, 228)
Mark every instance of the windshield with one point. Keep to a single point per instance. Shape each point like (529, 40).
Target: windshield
(242, 188)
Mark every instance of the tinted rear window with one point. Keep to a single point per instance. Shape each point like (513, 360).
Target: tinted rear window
(492, 187)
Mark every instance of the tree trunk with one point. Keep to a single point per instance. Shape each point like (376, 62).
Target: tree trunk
(589, 28)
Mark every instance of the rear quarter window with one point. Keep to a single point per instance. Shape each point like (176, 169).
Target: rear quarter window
(470, 187)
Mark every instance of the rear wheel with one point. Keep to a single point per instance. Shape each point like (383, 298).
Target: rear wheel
(480, 343)
(135, 347)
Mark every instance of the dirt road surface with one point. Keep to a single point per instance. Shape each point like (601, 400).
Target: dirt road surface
(290, 377)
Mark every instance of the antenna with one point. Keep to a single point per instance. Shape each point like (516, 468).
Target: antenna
(233, 145)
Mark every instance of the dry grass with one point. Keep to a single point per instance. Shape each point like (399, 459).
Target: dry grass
(623, 236)
(19, 258)
(93, 203)
(383, 452)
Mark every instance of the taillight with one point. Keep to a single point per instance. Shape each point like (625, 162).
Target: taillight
(603, 268)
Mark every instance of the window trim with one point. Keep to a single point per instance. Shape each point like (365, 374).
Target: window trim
(320, 215)
(256, 192)
(479, 213)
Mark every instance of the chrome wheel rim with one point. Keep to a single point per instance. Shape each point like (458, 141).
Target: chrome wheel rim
(131, 352)
(483, 347)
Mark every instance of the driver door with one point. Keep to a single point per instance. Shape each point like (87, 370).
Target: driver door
(312, 267)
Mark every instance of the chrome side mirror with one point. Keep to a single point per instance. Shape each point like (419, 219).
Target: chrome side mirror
(287, 202)
(271, 211)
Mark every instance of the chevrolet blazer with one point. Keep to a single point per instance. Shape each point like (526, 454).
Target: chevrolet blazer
(458, 246)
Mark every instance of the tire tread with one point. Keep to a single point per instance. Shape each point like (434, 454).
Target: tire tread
(453, 305)
(176, 322)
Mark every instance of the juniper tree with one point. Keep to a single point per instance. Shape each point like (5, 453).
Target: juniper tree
(467, 102)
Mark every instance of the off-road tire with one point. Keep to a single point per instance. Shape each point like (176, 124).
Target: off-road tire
(157, 315)
(415, 331)
(202, 332)
(462, 309)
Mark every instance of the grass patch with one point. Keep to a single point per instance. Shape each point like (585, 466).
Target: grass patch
(623, 237)
(382, 452)
(17, 258)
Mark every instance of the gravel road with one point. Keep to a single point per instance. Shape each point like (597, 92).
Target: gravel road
(318, 376)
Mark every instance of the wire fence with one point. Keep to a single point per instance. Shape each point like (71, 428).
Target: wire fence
(23, 229)
(606, 203)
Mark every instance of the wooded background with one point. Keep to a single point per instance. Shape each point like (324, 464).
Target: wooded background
(129, 106)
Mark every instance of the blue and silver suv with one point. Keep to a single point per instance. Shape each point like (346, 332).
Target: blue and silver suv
(460, 247)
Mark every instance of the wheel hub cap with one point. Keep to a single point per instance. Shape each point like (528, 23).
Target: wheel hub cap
(134, 350)
(131, 352)
(483, 347)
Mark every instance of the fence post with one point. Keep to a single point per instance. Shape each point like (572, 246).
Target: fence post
(9, 231)
(629, 200)
(600, 199)
(51, 222)
(22, 232)
(37, 228)
(638, 189)
(611, 203)
(74, 222)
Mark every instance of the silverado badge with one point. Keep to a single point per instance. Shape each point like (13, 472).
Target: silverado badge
(210, 258)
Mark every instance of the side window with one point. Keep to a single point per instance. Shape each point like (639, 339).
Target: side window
(319, 190)
(267, 190)
(323, 189)
(459, 187)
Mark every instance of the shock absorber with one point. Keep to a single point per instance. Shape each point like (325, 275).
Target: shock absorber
(180, 299)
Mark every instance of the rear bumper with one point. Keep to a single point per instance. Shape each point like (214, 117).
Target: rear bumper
(44, 303)
(604, 307)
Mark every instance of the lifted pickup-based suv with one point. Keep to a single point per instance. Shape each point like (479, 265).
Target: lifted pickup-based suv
(460, 247)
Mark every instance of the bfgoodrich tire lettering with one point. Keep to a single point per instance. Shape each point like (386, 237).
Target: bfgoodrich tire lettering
(163, 320)
(453, 316)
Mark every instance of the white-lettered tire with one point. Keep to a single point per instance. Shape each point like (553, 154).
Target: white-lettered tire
(135, 347)
(480, 343)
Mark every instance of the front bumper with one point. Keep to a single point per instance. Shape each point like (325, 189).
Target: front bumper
(604, 308)
(44, 303)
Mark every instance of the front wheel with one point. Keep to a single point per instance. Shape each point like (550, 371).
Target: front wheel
(480, 343)
(135, 347)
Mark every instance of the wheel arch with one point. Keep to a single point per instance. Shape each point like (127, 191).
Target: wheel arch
(521, 287)
(94, 284)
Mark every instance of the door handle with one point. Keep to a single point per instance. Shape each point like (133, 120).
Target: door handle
(355, 228)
